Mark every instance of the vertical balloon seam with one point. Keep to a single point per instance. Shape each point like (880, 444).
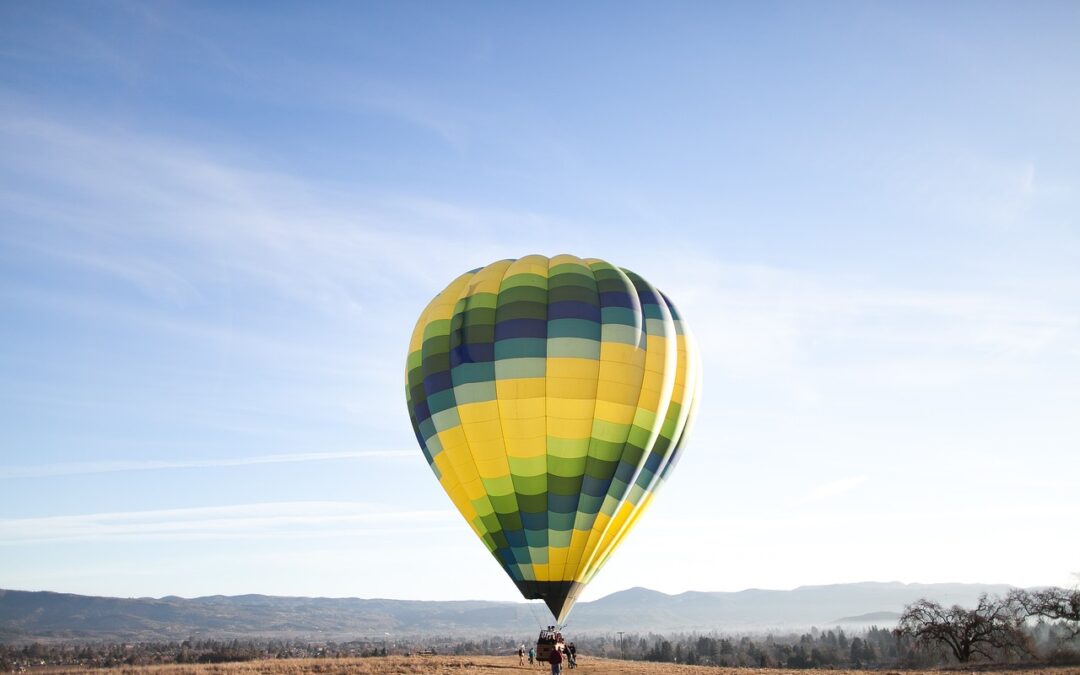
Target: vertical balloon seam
(632, 295)
(418, 337)
(649, 497)
(418, 396)
(538, 551)
(449, 471)
(462, 301)
(697, 397)
(591, 459)
(452, 470)
(687, 366)
(547, 422)
(693, 396)
(552, 479)
(596, 386)
(455, 456)
(526, 584)
(640, 494)
(548, 425)
(509, 296)
(504, 554)
(422, 328)
(410, 400)
(508, 533)
(640, 344)
(628, 504)
(671, 367)
(679, 446)
(599, 535)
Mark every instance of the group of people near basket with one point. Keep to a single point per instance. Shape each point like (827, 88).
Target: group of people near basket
(560, 653)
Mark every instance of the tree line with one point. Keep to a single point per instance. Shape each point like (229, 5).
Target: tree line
(104, 654)
(1023, 626)
(108, 654)
(814, 649)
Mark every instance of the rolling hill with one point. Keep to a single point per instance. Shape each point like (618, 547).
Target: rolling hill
(29, 615)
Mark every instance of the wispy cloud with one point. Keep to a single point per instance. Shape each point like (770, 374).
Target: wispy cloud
(412, 107)
(106, 466)
(277, 520)
(768, 321)
(118, 202)
(960, 186)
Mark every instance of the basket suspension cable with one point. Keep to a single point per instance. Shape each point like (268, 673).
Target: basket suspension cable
(532, 608)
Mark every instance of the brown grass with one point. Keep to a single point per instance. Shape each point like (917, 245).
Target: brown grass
(488, 665)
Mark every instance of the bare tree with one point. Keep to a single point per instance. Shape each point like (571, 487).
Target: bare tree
(1055, 604)
(989, 630)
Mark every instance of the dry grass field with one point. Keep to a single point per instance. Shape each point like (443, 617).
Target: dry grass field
(485, 665)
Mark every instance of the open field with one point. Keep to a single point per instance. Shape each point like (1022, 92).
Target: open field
(490, 665)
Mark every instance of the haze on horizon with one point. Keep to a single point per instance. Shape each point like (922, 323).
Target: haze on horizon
(219, 223)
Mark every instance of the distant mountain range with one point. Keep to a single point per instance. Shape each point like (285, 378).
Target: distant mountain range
(26, 616)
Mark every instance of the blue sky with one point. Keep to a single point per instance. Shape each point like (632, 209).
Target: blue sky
(218, 223)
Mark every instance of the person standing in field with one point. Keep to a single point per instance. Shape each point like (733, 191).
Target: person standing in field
(556, 660)
(532, 655)
(521, 655)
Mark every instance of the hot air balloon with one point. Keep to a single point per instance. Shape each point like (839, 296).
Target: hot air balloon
(551, 398)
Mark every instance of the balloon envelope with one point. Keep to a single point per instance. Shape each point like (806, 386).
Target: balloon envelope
(551, 397)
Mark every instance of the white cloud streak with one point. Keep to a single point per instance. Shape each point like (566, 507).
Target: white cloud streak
(277, 520)
(333, 250)
(764, 321)
(317, 244)
(106, 466)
